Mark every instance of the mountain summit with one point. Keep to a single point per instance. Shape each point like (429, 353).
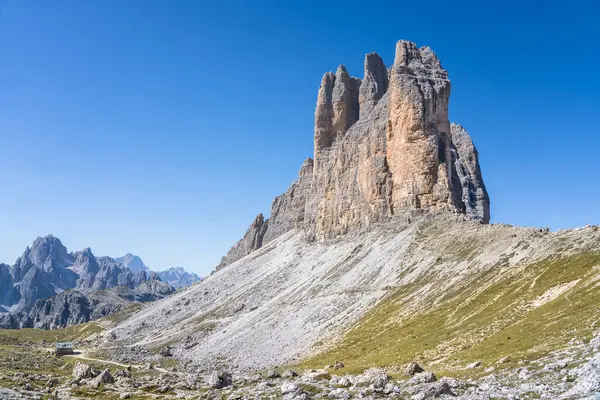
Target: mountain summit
(383, 148)
(133, 262)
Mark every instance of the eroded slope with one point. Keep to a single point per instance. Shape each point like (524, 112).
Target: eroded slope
(441, 290)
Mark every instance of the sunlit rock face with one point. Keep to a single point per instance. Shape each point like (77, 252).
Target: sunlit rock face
(383, 147)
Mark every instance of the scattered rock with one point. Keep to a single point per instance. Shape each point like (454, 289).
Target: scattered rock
(164, 389)
(52, 382)
(373, 376)
(474, 365)
(166, 351)
(288, 373)
(125, 396)
(123, 373)
(412, 369)
(422, 377)
(338, 365)
(288, 387)
(344, 382)
(317, 374)
(437, 389)
(339, 393)
(218, 380)
(504, 360)
(103, 377)
(83, 371)
(272, 374)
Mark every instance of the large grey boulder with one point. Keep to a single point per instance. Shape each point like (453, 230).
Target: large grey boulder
(376, 377)
(83, 371)
(219, 379)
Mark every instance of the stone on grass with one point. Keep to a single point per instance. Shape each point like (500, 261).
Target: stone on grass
(272, 374)
(288, 387)
(373, 376)
(338, 365)
(413, 368)
(474, 365)
(83, 371)
(422, 377)
(219, 379)
(289, 373)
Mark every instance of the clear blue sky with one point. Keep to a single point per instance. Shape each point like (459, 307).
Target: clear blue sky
(162, 127)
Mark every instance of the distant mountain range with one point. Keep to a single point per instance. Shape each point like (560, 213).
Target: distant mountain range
(175, 276)
(178, 277)
(133, 262)
(49, 287)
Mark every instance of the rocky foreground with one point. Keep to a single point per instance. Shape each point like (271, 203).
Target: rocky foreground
(573, 373)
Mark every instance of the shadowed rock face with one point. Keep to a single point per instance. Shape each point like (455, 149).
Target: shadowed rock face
(252, 240)
(466, 160)
(374, 84)
(384, 148)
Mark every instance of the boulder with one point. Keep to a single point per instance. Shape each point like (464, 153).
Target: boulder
(289, 373)
(474, 365)
(83, 371)
(316, 374)
(219, 379)
(288, 387)
(272, 374)
(412, 369)
(376, 377)
(422, 377)
(102, 378)
(166, 351)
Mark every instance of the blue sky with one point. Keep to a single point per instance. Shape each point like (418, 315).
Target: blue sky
(162, 128)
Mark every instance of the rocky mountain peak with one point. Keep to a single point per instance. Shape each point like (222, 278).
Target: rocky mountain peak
(85, 263)
(47, 252)
(384, 148)
(178, 277)
(374, 84)
(133, 262)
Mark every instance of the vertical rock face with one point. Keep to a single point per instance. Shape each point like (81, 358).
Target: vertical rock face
(288, 210)
(466, 160)
(418, 131)
(374, 84)
(344, 101)
(252, 240)
(384, 148)
(324, 135)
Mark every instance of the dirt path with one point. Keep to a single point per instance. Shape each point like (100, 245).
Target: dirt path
(82, 356)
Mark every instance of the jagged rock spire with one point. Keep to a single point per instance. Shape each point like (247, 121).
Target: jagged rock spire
(374, 84)
(466, 159)
(324, 113)
(383, 148)
(418, 131)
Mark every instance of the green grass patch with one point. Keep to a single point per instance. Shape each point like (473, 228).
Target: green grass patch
(72, 333)
(485, 319)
